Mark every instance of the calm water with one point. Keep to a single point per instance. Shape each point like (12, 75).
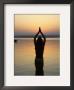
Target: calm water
(25, 57)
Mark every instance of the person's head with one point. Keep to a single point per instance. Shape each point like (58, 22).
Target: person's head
(39, 38)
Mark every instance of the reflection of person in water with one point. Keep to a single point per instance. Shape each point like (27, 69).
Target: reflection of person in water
(39, 49)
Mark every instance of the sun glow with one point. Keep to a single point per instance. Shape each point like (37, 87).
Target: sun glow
(31, 23)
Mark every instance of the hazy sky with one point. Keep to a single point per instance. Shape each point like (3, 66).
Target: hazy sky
(29, 24)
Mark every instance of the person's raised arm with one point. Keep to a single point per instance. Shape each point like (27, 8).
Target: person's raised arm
(42, 35)
(35, 37)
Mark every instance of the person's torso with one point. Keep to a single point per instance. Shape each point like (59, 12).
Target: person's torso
(39, 47)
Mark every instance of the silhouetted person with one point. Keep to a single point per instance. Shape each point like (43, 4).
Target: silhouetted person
(39, 49)
(39, 44)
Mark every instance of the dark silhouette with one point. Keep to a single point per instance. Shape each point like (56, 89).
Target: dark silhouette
(39, 66)
(39, 49)
(39, 44)
(15, 41)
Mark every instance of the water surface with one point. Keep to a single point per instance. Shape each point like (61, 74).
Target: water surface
(24, 60)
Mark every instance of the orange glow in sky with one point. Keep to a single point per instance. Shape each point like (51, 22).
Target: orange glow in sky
(31, 23)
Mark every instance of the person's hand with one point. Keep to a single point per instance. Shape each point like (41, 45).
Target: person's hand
(39, 30)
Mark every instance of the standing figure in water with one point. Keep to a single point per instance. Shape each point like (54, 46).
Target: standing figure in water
(39, 50)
